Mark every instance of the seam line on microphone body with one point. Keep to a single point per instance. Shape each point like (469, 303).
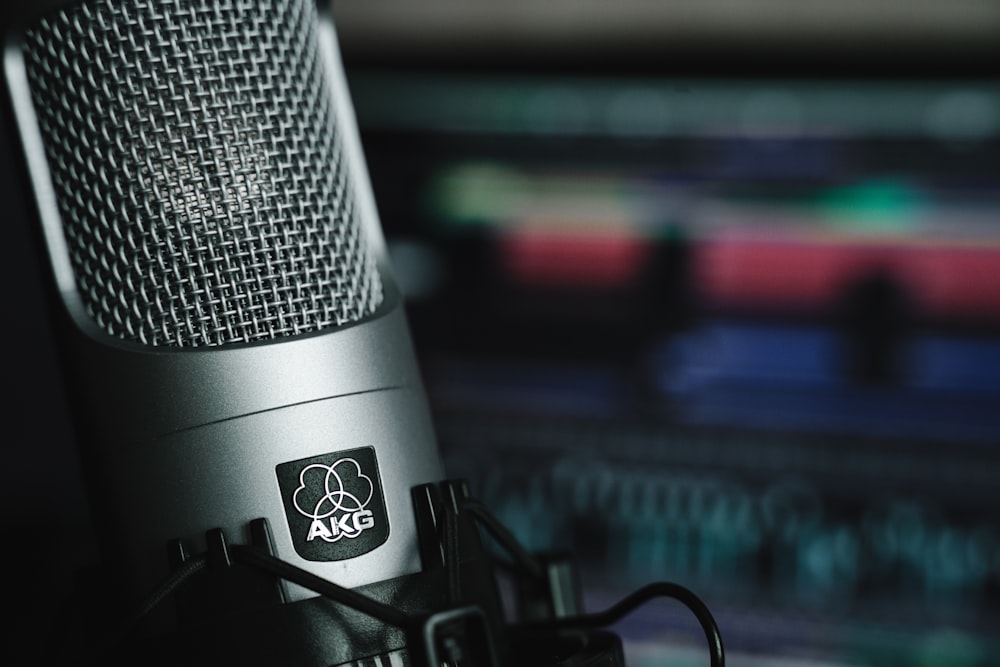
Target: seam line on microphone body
(282, 407)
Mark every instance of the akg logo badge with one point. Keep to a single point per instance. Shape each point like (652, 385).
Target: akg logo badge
(339, 513)
(334, 504)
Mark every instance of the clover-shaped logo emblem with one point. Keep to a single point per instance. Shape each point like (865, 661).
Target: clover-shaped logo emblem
(334, 504)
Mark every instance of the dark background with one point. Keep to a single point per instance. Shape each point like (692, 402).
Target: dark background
(706, 292)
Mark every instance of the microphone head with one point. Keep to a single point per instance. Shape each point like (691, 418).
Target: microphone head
(198, 170)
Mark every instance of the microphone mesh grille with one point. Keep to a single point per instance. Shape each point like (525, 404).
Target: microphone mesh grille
(198, 169)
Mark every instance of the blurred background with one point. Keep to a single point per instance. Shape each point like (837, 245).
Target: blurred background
(709, 292)
(706, 291)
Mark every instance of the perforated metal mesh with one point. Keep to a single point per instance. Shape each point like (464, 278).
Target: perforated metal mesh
(198, 169)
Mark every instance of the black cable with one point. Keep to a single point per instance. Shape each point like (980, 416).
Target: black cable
(616, 612)
(98, 653)
(256, 558)
(173, 581)
(632, 601)
(279, 568)
(505, 538)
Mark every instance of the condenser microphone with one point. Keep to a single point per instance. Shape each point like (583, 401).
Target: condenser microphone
(236, 349)
(258, 448)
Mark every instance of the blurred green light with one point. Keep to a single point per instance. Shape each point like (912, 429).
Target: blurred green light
(875, 206)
